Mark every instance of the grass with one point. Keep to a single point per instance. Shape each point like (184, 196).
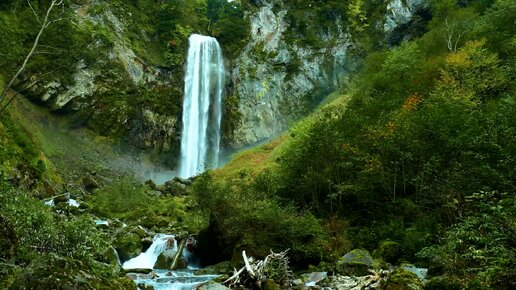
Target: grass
(256, 160)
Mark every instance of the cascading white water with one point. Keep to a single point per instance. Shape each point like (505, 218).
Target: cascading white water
(162, 279)
(146, 260)
(202, 106)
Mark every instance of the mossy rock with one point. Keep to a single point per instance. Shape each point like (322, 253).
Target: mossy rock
(389, 251)
(220, 268)
(128, 246)
(55, 272)
(355, 263)
(401, 279)
(154, 221)
(271, 285)
(212, 286)
(165, 259)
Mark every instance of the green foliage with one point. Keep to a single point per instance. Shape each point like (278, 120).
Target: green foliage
(425, 126)
(129, 201)
(50, 271)
(38, 231)
(227, 22)
(479, 248)
(247, 219)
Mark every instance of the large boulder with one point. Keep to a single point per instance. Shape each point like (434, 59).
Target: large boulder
(217, 269)
(402, 279)
(355, 263)
(389, 251)
(128, 246)
(165, 259)
(212, 286)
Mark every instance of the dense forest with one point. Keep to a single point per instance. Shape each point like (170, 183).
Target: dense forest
(410, 161)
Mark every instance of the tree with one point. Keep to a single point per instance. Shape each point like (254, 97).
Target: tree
(45, 23)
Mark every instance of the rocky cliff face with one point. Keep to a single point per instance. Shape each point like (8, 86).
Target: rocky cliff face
(277, 80)
(116, 92)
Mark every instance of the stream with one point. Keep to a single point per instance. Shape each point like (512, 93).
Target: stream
(163, 279)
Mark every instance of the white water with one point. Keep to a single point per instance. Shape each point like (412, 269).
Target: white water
(160, 243)
(202, 109)
(162, 279)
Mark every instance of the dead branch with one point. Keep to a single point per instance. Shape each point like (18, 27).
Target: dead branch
(256, 272)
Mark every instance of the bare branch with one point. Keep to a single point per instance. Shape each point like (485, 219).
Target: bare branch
(46, 22)
(33, 11)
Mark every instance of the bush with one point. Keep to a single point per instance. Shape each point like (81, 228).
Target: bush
(481, 243)
(38, 231)
(244, 219)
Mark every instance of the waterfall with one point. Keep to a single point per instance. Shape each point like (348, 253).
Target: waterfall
(202, 109)
(147, 260)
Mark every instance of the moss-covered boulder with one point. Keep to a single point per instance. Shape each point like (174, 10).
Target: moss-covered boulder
(355, 263)
(128, 246)
(212, 286)
(165, 259)
(271, 285)
(54, 272)
(401, 279)
(217, 269)
(389, 251)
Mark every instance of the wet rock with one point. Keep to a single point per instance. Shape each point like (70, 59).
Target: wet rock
(128, 246)
(146, 243)
(220, 268)
(355, 263)
(143, 286)
(184, 181)
(62, 198)
(212, 286)
(174, 188)
(315, 277)
(271, 285)
(165, 259)
(138, 271)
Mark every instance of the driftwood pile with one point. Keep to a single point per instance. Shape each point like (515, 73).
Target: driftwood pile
(256, 273)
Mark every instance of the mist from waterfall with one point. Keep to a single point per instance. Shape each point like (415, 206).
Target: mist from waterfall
(202, 106)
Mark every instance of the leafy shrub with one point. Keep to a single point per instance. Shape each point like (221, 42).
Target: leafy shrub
(38, 231)
(479, 248)
(244, 219)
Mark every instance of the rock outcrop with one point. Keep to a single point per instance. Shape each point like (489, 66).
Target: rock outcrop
(275, 77)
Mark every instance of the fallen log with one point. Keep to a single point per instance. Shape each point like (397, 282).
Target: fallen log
(178, 254)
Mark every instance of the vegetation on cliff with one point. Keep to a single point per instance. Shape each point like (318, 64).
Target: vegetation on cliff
(413, 159)
(427, 131)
